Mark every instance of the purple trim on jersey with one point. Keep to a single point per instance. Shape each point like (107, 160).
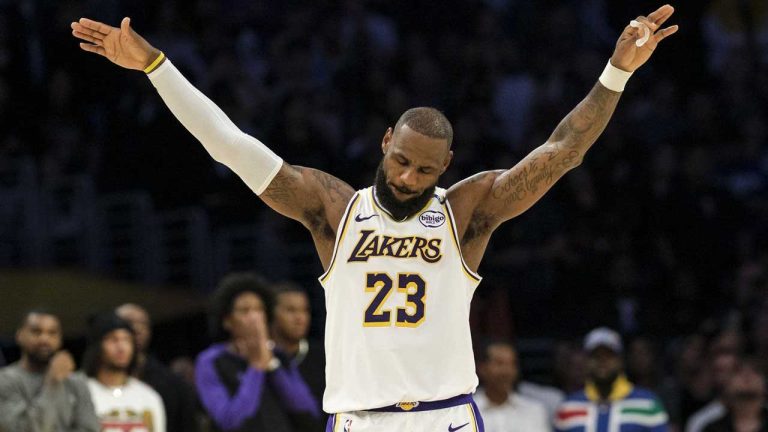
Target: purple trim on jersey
(429, 406)
(331, 423)
(228, 412)
(478, 418)
(294, 391)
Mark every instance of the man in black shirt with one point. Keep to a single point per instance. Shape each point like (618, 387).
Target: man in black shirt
(289, 329)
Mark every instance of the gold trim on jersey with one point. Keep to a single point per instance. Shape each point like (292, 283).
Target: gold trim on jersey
(381, 207)
(455, 236)
(340, 235)
(472, 416)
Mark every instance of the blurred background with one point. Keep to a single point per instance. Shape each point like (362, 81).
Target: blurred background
(661, 233)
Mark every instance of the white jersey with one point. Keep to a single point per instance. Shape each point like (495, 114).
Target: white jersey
(134, 407)
(398, 297)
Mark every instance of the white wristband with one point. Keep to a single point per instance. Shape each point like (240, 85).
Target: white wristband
(614, 78)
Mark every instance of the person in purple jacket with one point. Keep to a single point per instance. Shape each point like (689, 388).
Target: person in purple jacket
(241, 384)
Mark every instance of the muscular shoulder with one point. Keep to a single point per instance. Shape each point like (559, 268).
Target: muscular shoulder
(334, 195)
(466, 197)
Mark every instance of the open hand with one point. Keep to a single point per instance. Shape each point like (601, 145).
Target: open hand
(122, 46)
(627, 55)
(254, 343)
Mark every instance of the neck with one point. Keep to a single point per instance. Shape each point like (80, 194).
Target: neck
(497, 395)
(112, 378)
(31, 366)
(286, 345)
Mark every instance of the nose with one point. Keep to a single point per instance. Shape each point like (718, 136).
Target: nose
(409, 179)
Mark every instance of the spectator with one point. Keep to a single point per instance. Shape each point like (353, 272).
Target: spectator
(569, 367)
(502, 408)
(40, 392)
(290, 325)
(241, 384)
(609, 401)
(122, 402)
(178, 398)
(643, 365)
(744, 397)
(723, 357)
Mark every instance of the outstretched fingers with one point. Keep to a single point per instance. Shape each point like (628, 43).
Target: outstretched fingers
(95, 26)
(86, 37)
(665, 32)
(660, 15)
(94, 34)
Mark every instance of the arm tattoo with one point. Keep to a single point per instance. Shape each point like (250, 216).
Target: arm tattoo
(283, 187)
(564, 150)
(332, 186)
(479, 225)
(581, 127)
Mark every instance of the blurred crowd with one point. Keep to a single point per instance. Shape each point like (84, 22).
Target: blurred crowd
(658, 234)
(263, 372)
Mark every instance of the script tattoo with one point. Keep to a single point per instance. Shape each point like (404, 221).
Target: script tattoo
(564, 150)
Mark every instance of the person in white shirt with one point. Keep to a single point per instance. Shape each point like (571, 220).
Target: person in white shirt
(502, 408)
(123, 403)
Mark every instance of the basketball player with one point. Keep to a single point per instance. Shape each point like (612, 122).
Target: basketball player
(400, 256)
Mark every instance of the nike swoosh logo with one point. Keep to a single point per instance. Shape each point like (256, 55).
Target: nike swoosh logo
(359, 218)
(453, 429)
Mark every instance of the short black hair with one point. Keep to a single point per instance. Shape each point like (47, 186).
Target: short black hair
(287, 286)
(223, 300)
(427, 121)
(40, 310)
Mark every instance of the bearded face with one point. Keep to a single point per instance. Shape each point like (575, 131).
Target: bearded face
(400, 209)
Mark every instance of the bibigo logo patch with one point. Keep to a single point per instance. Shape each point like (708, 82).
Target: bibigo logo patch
(432, 219)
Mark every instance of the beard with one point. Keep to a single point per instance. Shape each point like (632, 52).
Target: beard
(400, 210)
(38, 359)
(605, 384)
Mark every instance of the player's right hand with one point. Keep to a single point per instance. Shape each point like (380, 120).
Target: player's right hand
(122, 46)
(61, 366)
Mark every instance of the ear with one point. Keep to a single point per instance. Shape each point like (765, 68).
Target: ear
(19, 336)
(227, 324)
(447, 161)
(387, 140)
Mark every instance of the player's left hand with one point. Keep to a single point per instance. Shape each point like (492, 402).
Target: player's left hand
(627, 55)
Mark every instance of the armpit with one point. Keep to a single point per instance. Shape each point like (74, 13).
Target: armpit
(317, 223)
(480, 224)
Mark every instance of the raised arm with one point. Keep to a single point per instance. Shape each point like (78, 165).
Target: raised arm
(484, 201)
(314, 198)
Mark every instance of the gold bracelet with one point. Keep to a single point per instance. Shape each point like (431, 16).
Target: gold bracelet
(155, 63)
